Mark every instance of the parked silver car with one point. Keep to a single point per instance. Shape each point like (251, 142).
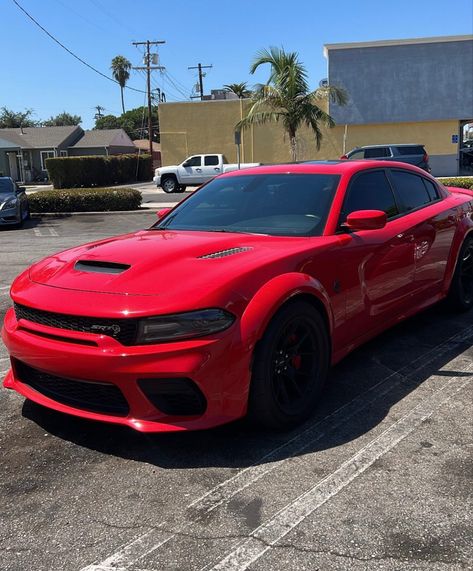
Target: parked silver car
(14, 207)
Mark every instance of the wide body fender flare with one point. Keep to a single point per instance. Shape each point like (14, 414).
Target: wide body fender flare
(274, 294)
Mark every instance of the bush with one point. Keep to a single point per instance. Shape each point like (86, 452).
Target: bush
(459, 182)
(85, 200)
(73, 172)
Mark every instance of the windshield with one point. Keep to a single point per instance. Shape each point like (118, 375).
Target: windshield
(6, 186)
(274, 204)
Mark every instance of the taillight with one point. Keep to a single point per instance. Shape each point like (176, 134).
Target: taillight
(426, 157)
(344, 157)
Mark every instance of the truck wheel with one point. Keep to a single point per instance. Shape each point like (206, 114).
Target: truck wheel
(182, 188)
(290, 366)
(169, 184)
(460, 295)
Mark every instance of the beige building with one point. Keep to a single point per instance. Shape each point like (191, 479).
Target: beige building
(395, 103)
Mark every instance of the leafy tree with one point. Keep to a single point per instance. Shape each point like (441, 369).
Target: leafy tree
(13, 119)
(239, 89)
(286, 98)
(63, 119)
(121, 73)
(107, 122)
(134, 122)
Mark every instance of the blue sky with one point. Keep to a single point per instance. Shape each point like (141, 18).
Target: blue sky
(36, 73)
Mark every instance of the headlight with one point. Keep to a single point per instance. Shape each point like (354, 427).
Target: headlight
(183, 325)
(10, 203)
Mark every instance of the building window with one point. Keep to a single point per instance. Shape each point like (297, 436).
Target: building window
(63, 153)
(46, 155)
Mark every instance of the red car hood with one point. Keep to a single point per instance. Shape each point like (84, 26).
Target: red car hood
(155, 262)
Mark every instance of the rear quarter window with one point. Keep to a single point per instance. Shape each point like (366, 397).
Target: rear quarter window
(412, 150)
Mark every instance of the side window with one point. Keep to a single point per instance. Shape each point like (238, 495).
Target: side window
(410, 190)
(431, 189)
(370, 191)
(377, 153)
(194, 161)
(357, 155)
(211, 160)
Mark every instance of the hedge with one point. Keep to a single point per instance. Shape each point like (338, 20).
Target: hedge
(459, 182)
(73, 172)
(85, 200)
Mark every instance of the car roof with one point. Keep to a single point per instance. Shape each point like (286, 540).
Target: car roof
(342, 167)
(391, 145)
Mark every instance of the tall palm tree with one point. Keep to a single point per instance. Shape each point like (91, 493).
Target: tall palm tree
(121, 73)
(239, 89)
(286, 98)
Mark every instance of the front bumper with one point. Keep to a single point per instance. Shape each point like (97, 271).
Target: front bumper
(94, 359)
(157, 180)
(9, 216)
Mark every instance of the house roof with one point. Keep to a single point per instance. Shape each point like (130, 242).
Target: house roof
(38, 137)
(143, 144)
(104, 138)
(4, 144)
(403, 42)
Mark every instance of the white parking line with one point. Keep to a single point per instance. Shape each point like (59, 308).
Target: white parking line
(49, 231)
(265, 536)
(152, 540)
(4, 287)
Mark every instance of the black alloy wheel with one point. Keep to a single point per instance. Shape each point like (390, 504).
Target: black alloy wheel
(290, 367)
(461, 289)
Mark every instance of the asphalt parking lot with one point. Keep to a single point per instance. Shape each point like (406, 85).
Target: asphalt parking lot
(379, 479)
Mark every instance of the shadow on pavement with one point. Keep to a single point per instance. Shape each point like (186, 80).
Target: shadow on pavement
(239, 445)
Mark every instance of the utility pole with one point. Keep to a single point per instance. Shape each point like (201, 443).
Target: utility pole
(200, 67)
(148, 67)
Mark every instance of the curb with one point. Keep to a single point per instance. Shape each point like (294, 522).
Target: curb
(94, 213)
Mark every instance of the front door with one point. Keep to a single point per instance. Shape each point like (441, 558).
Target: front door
(13, 165)
(190, 172)
(377, 267)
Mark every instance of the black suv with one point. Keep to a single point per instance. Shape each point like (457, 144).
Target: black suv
(413, 154)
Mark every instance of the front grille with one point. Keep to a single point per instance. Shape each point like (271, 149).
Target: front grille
(93, 396)
(176, 397)
(123, 330)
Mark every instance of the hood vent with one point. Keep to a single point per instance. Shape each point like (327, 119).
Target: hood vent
(225, 253)
(99, 267)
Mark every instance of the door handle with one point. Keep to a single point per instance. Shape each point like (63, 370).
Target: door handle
(216, 169)
(198, 170)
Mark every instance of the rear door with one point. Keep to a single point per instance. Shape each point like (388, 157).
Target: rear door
(411, 154)
(383, 153)
(431, 224)
(211, 167)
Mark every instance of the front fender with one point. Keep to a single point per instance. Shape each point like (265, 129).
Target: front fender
(272, 295)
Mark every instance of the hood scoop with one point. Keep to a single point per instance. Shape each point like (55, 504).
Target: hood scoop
(99, 267)
(225, 253)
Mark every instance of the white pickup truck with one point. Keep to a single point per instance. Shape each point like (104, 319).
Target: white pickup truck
(195, 170)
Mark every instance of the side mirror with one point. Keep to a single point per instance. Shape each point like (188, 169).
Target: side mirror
(186, 164)
(163, 212)
(365, 220)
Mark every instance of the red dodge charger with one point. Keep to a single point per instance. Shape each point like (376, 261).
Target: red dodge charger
(239, 299)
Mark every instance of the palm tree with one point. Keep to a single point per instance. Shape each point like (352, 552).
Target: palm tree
(239, 89)
(286, 98)
(121, 73)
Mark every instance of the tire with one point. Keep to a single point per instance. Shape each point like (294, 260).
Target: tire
(169, 184)
(182, 188)
(28, 213)
(460, 294)
(290, 367)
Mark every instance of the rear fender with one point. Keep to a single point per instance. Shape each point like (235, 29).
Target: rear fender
(464, 228)
(272, 296)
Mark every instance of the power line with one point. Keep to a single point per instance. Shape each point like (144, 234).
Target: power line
(69, 51)
(200, 67)
(149, 68)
